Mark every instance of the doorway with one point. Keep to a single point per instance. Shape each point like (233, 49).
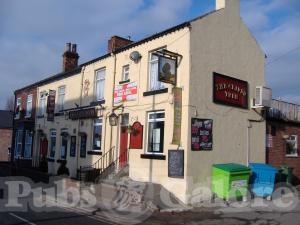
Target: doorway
(123, 155)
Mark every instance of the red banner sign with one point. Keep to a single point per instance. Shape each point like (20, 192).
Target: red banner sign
(125, 92)
(230, 91)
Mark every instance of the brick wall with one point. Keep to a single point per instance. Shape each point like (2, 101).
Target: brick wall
(5, 143)
(276, 155)
(23, 95)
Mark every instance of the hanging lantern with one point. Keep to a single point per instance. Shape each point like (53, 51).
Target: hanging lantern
(113, 119)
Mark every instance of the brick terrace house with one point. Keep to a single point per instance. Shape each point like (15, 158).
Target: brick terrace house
(6, 118)
(283, 132)
(24, 120)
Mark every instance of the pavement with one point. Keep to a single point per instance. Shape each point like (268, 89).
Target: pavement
(123, 203)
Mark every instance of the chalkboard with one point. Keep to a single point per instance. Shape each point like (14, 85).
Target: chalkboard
(201, 134)
(176, 163)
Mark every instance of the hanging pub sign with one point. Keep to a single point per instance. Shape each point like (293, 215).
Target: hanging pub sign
(125, 92)
(177, 116)
(167, 69)
(51, 105)
(136, 136)
(201, 134)
(73, 146)
(89, 113)
(230, 91)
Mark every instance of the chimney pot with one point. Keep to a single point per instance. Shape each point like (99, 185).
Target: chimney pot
(74, 47)
(68, 47)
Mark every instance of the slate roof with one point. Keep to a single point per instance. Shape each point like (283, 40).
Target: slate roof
(6, 119)
(77, 70)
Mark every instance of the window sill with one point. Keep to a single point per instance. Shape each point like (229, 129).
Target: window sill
(61, 160)
(96, 103)
(291, 156)
(155, 92)
(124, 81)
(153, 156)
(59, 114)
(94, 153)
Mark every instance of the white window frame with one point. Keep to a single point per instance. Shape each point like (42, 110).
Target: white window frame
(29, 101)
(42, 103)
(148, 126)
(289, 140)
(18, 103)
(18, 142)
(99, 89)
(125, 73)
(53, 134)
(153, 83)
(100, 123)
(61, 98)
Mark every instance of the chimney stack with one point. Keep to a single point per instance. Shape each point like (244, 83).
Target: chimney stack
(70, 57)
(116, 42)
(232, 5)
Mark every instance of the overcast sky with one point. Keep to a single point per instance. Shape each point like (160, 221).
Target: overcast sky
(33, 34)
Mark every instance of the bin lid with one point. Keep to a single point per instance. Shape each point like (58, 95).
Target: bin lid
(262, 166)
(232, 167)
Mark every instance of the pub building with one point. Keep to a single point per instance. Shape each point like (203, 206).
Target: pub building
(166, 107)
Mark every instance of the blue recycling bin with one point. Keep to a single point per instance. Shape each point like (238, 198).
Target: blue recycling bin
(262, 179)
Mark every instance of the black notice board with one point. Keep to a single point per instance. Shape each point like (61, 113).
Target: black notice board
(176, 163)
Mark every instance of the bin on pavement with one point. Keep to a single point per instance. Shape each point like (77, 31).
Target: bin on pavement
(287, 173)
(262, 179)
(230, 181)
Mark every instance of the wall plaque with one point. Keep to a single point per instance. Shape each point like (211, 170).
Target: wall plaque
(230, 91)
(201, 134)
(176, 163)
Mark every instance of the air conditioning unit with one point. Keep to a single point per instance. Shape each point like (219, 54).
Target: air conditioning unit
(263, 97)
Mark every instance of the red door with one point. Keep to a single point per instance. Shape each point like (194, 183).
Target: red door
(123, 147)
(43, 148)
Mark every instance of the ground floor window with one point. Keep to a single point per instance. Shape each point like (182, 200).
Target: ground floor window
(28, 144)
(52, 143)
(156, 127)
(83, 139)
(64, 144)
(97, 134)
(291, 146)
(18, 143)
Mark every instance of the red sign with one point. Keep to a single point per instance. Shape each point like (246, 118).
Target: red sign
(125, 92)
(136, 136)
(230, 91)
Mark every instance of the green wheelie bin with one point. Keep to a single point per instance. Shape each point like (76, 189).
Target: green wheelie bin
(230, 181)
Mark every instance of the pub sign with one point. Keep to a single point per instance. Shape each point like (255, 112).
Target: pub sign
(167, 70)
(230, 91)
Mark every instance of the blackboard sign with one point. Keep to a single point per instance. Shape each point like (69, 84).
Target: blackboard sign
(201, 133)
(83, 146)
(176, 163)
(73, 146)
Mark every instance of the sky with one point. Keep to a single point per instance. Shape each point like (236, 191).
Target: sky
(33, 34)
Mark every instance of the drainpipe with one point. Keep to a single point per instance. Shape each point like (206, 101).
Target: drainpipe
(112, 103)
(78, 125)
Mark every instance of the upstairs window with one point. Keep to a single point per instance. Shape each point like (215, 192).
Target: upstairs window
(100, 82)
(42, 105)
(29, 106)
(18, 108)
(156, 127)
(292, 146)
(61, 98)
(154, 83)
(125, 74)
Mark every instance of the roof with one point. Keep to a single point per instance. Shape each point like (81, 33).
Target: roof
(119, 50)
(6, 119)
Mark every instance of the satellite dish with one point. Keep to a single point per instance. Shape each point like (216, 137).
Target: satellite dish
(135, 56)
